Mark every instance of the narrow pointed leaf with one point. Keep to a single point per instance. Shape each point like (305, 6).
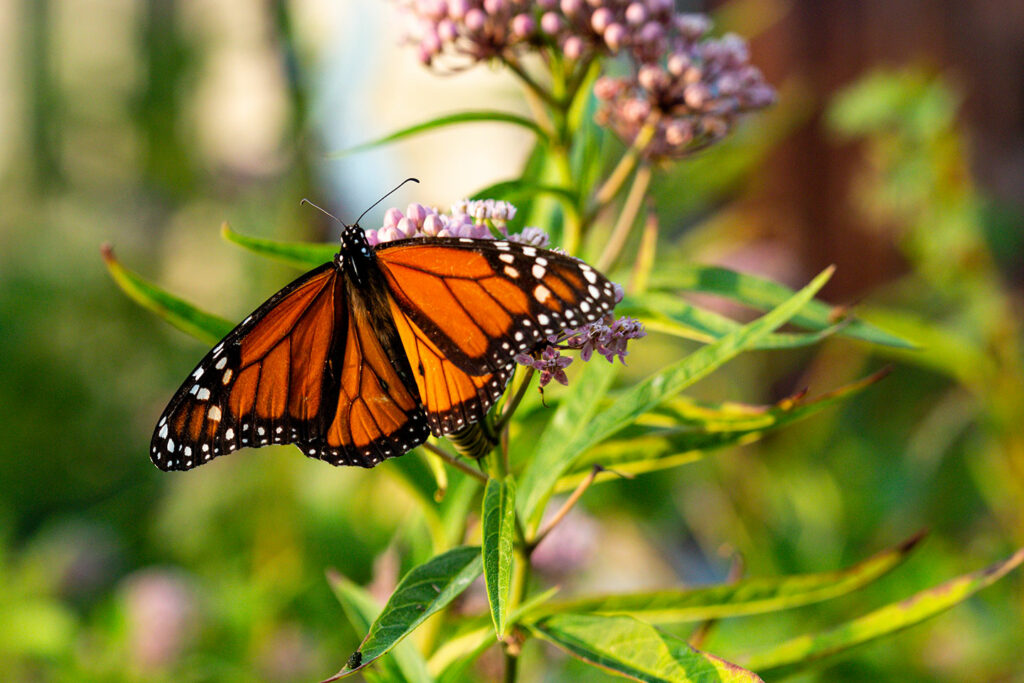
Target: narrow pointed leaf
(631, 648)
(443, 121)
(558, 458)
(687, 430)
(499, 520)
(426, 589)
(799, 652)
(361, 610)
(750, 596)
(186, 317)
(577, 408)
(762, 294)
(302, 255)
(671, 314)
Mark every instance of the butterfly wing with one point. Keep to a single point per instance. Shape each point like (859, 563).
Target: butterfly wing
(464, 308)
(305, 368)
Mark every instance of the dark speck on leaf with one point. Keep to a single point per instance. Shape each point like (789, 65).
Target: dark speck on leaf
(355, 660)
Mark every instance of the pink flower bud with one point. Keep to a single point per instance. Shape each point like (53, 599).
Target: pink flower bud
(693, 26)
(433, 224)
(457, 9)
(651, 77)
(416, 213)
(572, 48)
(636, 110)
(678, 63)
(636, 14)
(523, 25)
(431, 43)
(447, 31)
(388, 234)
(601, 19)
(551, 23)
(391, 217)
(652, 32)
(405, 228)
(493, 7)
(571, 8)
(476, 19)
(696, 95)
(678, 133)
(607, 87)
(615, 36)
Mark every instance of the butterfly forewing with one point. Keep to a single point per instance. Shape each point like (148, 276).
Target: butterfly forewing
(305, 368)
(482, 301)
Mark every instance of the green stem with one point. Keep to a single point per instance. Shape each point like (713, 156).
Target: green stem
(454, 461)
(534, 87)
(624, 225)
(611, 187)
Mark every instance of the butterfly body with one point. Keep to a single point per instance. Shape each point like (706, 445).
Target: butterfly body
(362, 358)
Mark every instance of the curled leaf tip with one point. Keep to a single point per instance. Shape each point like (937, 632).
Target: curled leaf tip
(909, 544)
(107, 252)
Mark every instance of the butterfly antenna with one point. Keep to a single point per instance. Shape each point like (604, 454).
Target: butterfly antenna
(323, 211)
(397, 187)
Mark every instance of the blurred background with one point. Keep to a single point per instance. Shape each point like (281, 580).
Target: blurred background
(896, 151)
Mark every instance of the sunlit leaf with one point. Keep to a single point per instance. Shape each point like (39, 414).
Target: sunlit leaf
(444, 121)
(762, 295)
(749, 596)
(361, 609)
(425, 590)
(671, 314)
(628, 646)
(498, 532)
(683, 431)
(175, 310)
(555, 459)
(576, 409)
(302, 255)
(799, 652)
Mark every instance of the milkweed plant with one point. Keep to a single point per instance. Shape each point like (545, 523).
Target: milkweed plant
(618, 90)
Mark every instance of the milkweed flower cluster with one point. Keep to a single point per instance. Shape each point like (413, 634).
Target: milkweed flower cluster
(476, 219)
(488, 219)
(692, 93)
(689, 86)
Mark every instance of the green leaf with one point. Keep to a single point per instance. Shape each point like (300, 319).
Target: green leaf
(555, 459)
(175, 310)
(628, 646)
(683, 431)
(426, 589)
(499, 520)
(750, 596)
(762, 295)
(302, 255)
(671, 314)
(443, 121)
(361, 610)
(799, 652)
(576, 409)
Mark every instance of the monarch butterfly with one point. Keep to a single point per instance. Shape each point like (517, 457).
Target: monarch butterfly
(362, 358)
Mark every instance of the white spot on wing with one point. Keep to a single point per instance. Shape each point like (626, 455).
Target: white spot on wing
(213, 413)
(203, 394)
(511, 272)
(541, 293)
(221, 363)
(538, 271)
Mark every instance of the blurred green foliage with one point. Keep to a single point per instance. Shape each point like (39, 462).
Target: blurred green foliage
(111, 571)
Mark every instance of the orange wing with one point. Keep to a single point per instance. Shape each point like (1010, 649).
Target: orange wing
(305, 368)
(464, 308)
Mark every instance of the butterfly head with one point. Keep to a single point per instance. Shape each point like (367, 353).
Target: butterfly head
(353, 242)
